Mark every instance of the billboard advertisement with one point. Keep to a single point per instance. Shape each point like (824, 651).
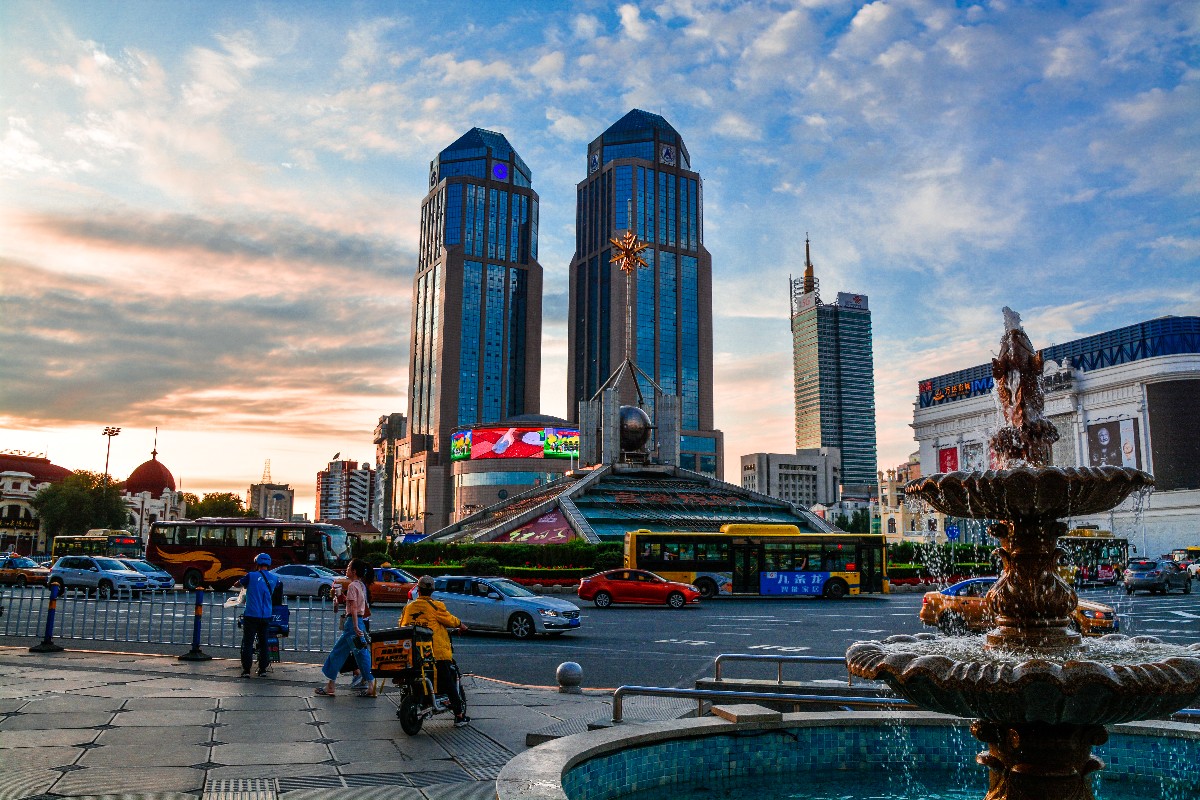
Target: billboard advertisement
(549, 528)
(562, 443)
(948, 459)
(514, 443)
(1114, 444)
(460, 445)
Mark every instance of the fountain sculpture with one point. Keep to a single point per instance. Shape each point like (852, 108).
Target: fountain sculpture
(1040, 696)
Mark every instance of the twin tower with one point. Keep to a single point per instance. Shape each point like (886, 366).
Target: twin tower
(476, 334)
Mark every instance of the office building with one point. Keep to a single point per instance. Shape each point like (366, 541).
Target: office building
(640, 178)
(390, 430)
(834, 378)
(1124, 398)
(475, 352)
(805, 478)
(345, 490)
(271, 500)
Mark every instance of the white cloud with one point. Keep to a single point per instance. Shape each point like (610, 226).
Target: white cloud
(632, 23)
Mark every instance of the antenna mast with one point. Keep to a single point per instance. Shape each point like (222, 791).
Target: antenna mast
(266, 478)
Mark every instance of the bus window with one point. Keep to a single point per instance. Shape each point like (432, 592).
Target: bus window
(687, 552)
(266, 538)
(777, 556)
(837, 557)
(239, 535)
(808, 557)
(212, 536)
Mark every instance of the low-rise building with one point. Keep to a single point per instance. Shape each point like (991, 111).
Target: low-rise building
(805, 478)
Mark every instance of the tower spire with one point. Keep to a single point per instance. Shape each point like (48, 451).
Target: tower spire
(810, 280)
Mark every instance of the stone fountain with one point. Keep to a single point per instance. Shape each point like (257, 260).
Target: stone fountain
(1040, 696)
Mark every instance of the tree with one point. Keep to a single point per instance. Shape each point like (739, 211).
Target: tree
(216, 504)
(860, 522)
(841, 522)
(82, 501)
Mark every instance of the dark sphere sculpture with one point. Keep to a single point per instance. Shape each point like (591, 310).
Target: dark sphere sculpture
(635, 428)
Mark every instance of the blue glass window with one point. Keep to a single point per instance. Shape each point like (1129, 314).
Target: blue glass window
(650, 205)
(514, 227)
(491, 240)
(493, 344)
(623, 197)
(640, 188)
(644, 335)
(688, 461)
(662, 208)
(634, 150)
(533, 231)
(479, 219)
(605, 294)
(468, 387)
(592, 366)
(693, 216)
(454, 200)
(668, 376)
(671, 240)
(689, 342)
(469, 227)
(516, 341)
(502, 228)
(698, 444)
(708, 466)
(474, 169)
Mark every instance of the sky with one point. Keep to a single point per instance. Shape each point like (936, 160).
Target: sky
(209, 210)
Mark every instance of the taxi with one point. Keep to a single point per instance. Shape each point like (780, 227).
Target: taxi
(960, 609)
(22, 571)
(392, 585)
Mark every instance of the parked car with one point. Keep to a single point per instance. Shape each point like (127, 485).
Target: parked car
(498, 604)
(1156, 575)
(392, 585)
(22, 571)
(960, 609)
(635, 586)
(107, 576)
(306, 580)
(159, 579)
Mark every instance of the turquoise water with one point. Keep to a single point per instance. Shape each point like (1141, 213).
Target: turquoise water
(875, 786)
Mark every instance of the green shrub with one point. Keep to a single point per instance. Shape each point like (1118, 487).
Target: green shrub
(375, 558)
(605, 561)
(554, 573)
(481, 565)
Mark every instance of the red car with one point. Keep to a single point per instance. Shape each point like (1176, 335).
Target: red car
(635, 586)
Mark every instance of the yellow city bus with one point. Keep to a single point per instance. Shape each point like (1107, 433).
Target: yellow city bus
(1093, 555)
(116, 544)
(764, 560)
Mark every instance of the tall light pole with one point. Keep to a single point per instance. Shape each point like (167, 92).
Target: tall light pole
(110, 433)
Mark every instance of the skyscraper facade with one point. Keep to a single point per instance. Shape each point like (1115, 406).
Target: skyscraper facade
(834, 378)
(475, 352)
(345, 490)
(640, 178)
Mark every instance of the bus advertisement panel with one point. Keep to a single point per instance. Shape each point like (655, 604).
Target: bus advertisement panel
(217, 552)
(763, 560)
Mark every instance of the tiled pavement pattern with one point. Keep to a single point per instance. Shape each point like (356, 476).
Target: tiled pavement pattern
(81, 724)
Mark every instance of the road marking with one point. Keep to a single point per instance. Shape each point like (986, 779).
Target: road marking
(1186, 614)
(692, 642)
(778, 648)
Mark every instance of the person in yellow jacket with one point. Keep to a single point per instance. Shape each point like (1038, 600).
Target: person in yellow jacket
(432, 614)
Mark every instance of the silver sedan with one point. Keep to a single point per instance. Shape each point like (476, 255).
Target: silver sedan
(306, 580)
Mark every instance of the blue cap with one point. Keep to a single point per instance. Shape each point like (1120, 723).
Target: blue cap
(263, 558)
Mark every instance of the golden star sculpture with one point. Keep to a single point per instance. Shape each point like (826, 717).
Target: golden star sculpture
(628, 252)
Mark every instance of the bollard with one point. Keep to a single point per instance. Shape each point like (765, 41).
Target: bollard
(569, 676)
(196, 654)
(47, 645)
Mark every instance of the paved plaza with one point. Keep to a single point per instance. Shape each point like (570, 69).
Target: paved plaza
(87, 724)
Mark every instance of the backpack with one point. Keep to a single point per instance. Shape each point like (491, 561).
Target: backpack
(276, 590)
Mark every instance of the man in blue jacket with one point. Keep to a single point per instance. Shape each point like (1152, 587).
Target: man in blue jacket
(260, 586)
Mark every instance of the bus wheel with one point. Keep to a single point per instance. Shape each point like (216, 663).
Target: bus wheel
(192, 580)
(707, 588)
(835, 590)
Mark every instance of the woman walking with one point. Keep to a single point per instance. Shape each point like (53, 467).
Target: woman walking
(353, 638)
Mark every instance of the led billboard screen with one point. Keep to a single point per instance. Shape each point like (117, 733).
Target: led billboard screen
(499, 442)
(460, 445)
(1174, 434)
(562, 443)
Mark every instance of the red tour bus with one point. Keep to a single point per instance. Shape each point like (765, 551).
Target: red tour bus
(216, 551)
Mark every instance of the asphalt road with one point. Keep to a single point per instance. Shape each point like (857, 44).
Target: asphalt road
(664, 647)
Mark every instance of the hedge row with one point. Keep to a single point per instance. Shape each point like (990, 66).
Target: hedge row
(576, 553)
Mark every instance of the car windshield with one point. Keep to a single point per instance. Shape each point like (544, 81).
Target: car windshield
(325, 570)
(111, 564)
(140, 566)
(1141, 566)
(510, 589)
(21, 563)
(401, 576)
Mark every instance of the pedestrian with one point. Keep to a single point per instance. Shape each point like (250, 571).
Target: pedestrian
(351, 665)
(260, 586)
(354, 636)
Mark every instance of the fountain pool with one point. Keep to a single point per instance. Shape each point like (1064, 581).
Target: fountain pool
(825, 756)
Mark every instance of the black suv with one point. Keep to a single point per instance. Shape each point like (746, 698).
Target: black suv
(1156, 575)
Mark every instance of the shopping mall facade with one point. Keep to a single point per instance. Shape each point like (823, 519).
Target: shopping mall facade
(1126, 397)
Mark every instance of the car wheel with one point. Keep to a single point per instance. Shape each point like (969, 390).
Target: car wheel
(602, 600)
(521, 626)
(410, 716)
(676, 600)
(22, 582)
(104, 591)
(192, 580)
(707, 587)
(952, 624)
(835, 590)
(324, 592)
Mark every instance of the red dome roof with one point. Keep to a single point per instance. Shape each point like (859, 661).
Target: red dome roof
(38, 466)
(150, 477)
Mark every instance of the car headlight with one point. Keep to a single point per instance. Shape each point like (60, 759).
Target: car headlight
(548, 612)
(1090, 614)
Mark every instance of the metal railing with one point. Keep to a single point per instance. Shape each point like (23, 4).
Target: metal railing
(159, 618)
(779, 661)
(700, 695)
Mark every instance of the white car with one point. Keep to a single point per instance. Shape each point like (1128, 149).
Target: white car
(498, 604)
(304, 580)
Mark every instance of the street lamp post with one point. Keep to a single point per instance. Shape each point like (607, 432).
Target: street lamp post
(110, 433)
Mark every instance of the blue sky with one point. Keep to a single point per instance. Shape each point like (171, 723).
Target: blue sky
(208, 211)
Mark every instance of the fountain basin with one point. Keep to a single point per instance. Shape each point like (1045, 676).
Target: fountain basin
(1114, 679)
(712, 756)
(1028, 492)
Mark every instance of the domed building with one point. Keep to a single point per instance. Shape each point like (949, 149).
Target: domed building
(150, 495)
(21, 476)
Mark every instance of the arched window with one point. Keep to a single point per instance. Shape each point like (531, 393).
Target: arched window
(891, 524)
(933, 523)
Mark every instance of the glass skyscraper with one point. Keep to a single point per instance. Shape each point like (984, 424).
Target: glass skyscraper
(834, 377)
(475, 352)
(639, 177)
